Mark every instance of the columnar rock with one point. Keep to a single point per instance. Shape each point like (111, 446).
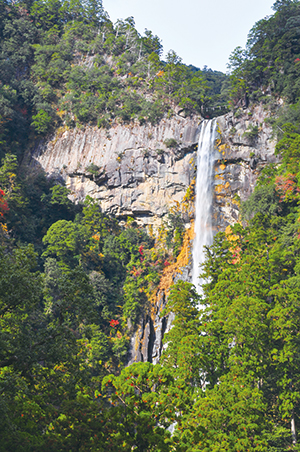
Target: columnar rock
(136, 170)
(141, 170)
(244, 147)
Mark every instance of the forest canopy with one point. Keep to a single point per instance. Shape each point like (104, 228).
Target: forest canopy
(75, 283)
(65, 64)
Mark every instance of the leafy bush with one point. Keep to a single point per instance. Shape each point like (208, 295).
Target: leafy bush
(42, 122)
(251, 133)
(92, 169)
(170, 143)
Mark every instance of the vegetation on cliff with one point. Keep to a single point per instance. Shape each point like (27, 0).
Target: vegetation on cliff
(75, 283)
(64, 64)
(269, 66)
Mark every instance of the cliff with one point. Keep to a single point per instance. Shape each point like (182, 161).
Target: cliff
(135, 170)
(141, 170)
(244, 146)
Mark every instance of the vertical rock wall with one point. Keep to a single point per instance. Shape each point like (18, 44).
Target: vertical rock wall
(131, 169)
(142, 170)
(244, 147)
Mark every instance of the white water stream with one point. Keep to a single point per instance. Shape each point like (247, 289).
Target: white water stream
(204, 197)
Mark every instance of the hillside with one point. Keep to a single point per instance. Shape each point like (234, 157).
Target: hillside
(66, 65)
(102, 344)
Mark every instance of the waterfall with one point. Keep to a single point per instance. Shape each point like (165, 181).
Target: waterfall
(204, 195)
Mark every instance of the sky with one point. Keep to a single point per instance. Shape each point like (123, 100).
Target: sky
(201, 32)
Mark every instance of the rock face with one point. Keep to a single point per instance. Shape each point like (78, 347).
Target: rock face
(245, 145)
(239, 157)
(141, 171)
(133, 170)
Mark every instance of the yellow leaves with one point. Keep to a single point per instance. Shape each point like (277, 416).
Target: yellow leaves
(218, 188)
(60, 367)
(160, 73)
(222, 147)
(4, 227)
(189, 196)
(230, 237)
(181, 261)
(60, 113)
(234, 249)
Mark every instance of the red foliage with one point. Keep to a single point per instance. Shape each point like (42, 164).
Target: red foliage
(114, 323)
(287, 187)
(297, 60)
(166, 263)
(3, 204)
(22, 110)
(141, 250)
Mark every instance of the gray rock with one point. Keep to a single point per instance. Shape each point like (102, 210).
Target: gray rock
(139, 176)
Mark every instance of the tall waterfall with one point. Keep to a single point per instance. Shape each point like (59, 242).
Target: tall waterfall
(204, 196)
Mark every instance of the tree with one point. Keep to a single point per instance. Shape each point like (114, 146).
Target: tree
(66, 241)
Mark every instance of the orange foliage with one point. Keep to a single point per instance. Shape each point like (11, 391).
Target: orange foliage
(235, 249)
(287, 187)
(182, 260)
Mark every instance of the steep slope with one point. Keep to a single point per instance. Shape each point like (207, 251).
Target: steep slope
(135, 170)
(143, 170)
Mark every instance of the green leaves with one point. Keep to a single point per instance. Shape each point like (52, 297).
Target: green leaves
(142, 407)
(41, 122)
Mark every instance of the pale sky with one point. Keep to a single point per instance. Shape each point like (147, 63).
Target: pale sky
(201, 32)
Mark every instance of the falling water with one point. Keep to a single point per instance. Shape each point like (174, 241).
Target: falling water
(204, 195)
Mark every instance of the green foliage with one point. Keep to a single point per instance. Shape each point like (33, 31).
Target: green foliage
(64, 241)
(139, 398)
(229, 372)
(41, 122)
(170, 143)
(92, 169)
(270, 63)
(251, 133)
(64, 63)
(264, 200)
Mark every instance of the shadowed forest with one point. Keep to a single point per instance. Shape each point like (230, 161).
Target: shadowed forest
(75, 282)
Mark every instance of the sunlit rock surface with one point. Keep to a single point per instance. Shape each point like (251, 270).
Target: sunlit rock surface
(240, 158)
(136, 174)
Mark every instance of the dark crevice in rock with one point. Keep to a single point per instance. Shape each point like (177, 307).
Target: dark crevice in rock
(151, 340)
(179, 153)
(143, 327)
(163, 330)
(238, 160)
(241, 143)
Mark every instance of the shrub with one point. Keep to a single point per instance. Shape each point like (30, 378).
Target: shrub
(41, 122)
(170, 143)
(92, 169)
(251, 133)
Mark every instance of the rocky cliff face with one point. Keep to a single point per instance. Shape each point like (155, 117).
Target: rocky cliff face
(131, 169)
(141, 171)
(245, 145)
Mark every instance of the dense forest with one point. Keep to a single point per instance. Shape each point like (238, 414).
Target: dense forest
(74, 282)
(64, 64)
